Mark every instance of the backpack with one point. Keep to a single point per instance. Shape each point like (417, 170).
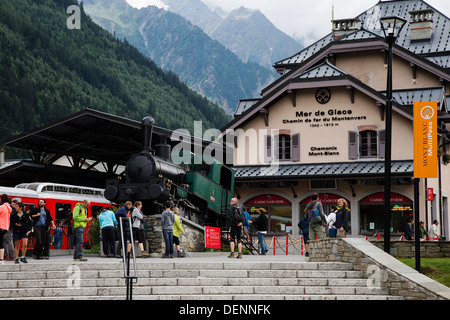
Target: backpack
(238, 215)
(69, 219)
(314, 214)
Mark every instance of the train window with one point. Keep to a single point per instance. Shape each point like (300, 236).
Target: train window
(28, 206)
(61, 211)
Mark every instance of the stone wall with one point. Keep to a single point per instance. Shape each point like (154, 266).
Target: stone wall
(193, 241)
(407, 249)
(382, 269)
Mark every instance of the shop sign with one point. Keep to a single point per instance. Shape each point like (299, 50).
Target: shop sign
(425, 139)
(379, 198)
(266, 200)
(325, 198)
(212, 238)
(430, 194)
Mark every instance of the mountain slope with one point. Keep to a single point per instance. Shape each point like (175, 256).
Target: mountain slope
(177, 45)
(254, 38)
(48, 71)
(247, 33)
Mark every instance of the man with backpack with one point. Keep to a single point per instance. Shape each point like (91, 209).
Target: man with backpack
(316, 218)
(80, 221)
(237, 218)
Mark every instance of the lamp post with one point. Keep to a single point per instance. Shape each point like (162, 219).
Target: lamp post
(391, 26)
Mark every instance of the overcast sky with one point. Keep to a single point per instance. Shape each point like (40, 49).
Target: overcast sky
(309, 20)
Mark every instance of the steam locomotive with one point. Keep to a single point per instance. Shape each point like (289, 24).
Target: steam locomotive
(201, 191)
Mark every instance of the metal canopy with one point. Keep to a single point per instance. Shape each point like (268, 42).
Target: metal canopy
(88, 139)
(87, 134)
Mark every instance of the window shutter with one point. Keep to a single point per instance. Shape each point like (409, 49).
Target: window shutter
(352, 145)
(295, 147)
(268, 148)
(381, 143)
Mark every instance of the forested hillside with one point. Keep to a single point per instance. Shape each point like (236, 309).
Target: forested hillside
(175, 44)
(48, 71)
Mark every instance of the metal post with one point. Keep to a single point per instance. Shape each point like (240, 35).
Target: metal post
(416, 222)
(387, 159)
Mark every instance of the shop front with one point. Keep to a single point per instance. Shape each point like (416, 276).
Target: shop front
(278, 211)
(372, 213)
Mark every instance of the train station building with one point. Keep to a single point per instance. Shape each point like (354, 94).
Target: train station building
(320, 127)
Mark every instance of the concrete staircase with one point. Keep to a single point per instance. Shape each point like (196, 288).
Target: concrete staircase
(173, 279)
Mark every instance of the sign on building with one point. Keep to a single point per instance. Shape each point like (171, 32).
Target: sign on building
(425, 139)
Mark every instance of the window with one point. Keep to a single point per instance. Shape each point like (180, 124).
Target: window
(62, 211)
(282, 145)
(283, 152)
(366, 143)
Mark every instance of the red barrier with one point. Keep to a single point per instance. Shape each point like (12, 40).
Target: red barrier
(287, 243)
(301, 246)
(274, 245)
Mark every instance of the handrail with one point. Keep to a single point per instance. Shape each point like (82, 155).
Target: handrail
(126, 257)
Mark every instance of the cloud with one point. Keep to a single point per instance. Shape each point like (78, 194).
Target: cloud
(145, 3)
(304, 20)
(308, 20)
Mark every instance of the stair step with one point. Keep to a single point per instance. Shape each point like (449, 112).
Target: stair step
(180, 280)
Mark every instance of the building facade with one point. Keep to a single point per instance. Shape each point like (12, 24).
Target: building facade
(320, 127)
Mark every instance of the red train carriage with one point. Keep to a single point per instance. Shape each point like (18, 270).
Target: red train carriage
(60, 199)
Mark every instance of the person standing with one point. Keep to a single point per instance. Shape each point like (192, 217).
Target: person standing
(423, 232)
(108, 222)
(123, 212)
(331, 219)
(58, 235)
(342, 215)
(136, 217)
(246, 223)
(316, 218)
(80, 221)
(167, 221)
(434, 231)
(5, 215)
(22, 225)
(409, 233)
(43, 222)
(236, 224)
(304, 227)
(8, 242)
(261, 227)
(177, 230)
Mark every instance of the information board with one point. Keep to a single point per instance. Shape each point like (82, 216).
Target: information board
(212, 238)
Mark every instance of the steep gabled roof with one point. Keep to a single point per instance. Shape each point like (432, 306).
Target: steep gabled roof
(436, 49)
(324, 70)
(323, 75)
(306, 69)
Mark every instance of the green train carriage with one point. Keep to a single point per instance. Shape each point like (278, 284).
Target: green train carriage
(210, 188)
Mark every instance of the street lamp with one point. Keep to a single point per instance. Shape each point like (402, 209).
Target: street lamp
(391, 26)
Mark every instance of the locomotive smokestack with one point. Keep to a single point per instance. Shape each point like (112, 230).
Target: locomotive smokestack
(147, 124)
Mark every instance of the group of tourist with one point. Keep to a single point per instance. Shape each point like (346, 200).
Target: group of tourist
(170, 226)
(314, 224)
(16, 225)
(432, 234)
